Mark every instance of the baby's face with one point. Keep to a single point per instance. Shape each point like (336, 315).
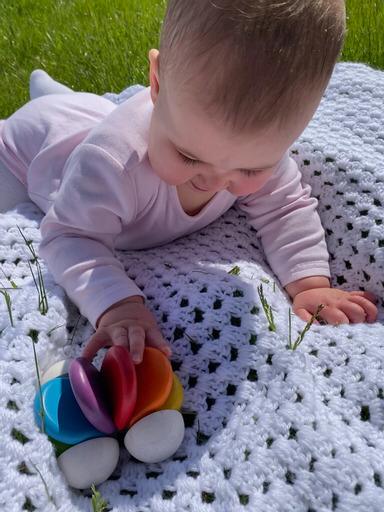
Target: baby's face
(187, 147)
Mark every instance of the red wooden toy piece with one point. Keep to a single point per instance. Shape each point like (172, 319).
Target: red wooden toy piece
(119, 378)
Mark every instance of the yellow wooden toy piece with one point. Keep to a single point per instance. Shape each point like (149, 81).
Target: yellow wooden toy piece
(175, 398)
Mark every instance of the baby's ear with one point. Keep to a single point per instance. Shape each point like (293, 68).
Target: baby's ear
(154, 59)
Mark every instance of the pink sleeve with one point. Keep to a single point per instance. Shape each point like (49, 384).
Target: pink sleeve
(78, 232)
(285, 218)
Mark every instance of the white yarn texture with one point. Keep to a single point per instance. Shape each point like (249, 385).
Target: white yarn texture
(268, 429)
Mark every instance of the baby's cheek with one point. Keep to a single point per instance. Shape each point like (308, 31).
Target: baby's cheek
(167, 169)
(251, 185)
(263, 179)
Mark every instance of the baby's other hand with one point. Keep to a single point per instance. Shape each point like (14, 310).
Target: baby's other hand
(128, 323)
(340, 307)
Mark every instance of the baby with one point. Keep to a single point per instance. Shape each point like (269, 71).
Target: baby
(233, 86)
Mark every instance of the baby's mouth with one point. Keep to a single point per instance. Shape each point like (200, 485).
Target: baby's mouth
(199, 188)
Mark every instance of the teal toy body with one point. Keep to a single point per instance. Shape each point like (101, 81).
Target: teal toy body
(64, 421)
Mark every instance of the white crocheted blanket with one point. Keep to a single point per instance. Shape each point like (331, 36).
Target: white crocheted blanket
(269, 429)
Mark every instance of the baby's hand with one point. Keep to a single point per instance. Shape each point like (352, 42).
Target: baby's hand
(128, 323)
(341, 307)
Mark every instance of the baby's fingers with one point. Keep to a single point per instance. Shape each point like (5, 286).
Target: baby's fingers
(136, 335)
(369, 308)
(304, 315)
(99, 340)
(367, 295)
(156, 339)
(105, 338)
(333, 316)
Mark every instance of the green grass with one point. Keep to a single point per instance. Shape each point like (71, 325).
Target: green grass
(103, 45)
(93, 46)
(365, 32)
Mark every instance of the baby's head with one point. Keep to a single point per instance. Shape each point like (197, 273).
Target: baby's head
(234, 85)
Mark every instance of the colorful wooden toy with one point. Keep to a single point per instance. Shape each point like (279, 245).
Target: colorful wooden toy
(176, 396)
(63, 418)
(90, 393)
(56, 370)
(90, 462)
(59, 447)
(154, 383)
(119, 376)
(82, 406)
(155, 437)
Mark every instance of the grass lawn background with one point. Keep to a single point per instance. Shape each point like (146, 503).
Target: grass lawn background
(102, 45)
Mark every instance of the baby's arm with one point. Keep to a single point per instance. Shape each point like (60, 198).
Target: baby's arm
(285, 217)
(78, 237)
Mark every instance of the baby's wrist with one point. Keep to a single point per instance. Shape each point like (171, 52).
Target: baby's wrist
(306, 283)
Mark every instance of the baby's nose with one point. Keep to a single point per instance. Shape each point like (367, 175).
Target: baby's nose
(218, 177)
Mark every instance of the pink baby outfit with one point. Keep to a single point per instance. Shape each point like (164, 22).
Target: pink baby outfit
(85, 163)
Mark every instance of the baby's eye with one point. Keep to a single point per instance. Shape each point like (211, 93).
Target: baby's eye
(187, 160)
(249, 172)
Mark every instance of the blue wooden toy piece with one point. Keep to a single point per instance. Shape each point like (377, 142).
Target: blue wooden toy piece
(63, 418)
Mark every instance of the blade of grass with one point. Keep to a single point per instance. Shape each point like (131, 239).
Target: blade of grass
(39, 384)
(8, 302)
(267, 309)
(98, 503)
(74, 329)
(45, 484)
(308, 325)
(43, 302)
(289, 328)
(13, 284)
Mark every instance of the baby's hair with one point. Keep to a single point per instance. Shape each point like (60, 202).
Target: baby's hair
(249, 63)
